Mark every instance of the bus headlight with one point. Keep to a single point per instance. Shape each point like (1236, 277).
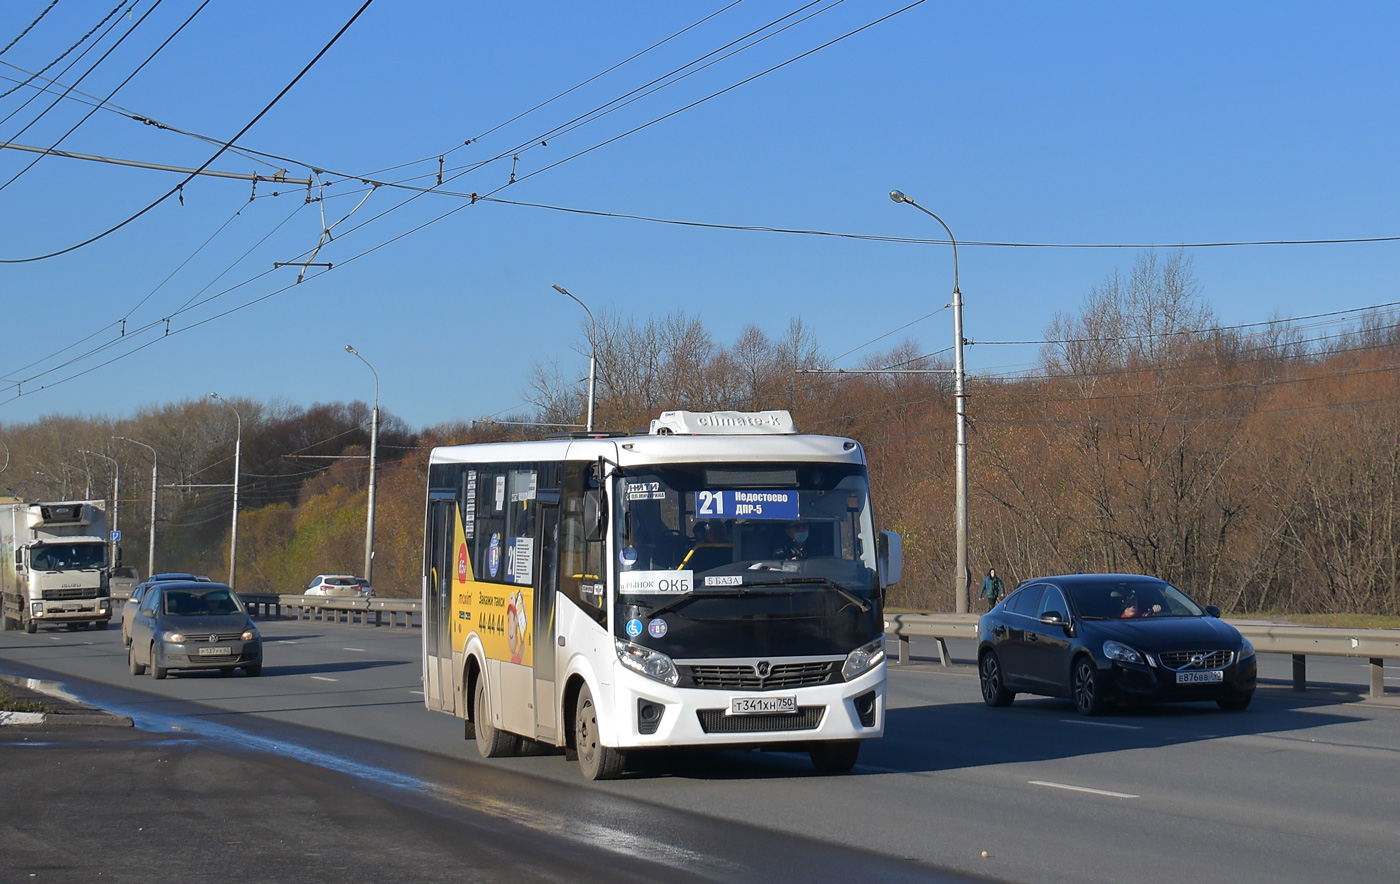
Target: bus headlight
(652, 664)
(863, 659)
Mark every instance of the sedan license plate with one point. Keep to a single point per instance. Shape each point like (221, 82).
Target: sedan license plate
(762, 705)
(1209, 677)
(215, 652)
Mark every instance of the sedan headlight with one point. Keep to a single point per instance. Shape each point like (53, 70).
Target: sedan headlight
(174, 637)
(1122, 653)
(249, 634)
(1246, 649)
(652, 664)
(863, 659)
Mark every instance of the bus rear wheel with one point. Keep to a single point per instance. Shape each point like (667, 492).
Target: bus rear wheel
(596, 761)
(491, 741)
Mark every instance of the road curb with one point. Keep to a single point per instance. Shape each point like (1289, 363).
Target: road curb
(65, 710)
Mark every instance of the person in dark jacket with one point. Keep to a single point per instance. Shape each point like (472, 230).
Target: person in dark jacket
(991, 588)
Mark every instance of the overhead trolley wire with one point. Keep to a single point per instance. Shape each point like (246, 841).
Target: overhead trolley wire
(21, 35)
(118, 87)
(207, 162)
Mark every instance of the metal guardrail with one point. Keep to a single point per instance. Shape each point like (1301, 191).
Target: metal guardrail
(335, 609)
(1374, 645)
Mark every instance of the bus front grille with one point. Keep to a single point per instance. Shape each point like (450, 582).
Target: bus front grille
(743, 677)
(715, 721)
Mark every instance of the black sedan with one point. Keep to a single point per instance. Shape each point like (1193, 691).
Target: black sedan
(1104, 639)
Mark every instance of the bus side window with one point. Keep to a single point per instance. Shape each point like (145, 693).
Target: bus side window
(582, 577)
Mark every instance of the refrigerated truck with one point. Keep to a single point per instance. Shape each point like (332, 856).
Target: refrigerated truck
(53, 564)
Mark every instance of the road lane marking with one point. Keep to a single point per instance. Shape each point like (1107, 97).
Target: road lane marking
(361, 650)
(419, 693)
(323, 678)
(1104, 792)
(1125, 727)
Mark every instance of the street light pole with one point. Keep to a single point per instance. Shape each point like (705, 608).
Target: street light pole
(237, 459)
(116, 498)
(373, 464)
(592, 349)
(960, 574)
(151, 555)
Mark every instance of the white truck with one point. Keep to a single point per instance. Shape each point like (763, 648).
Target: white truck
(53, 564)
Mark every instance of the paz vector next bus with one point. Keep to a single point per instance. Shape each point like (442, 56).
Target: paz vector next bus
(716, 582)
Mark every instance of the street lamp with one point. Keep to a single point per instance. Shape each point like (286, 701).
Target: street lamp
(960, 573)
(237, 458)
(116, 498)
(151, 556)
(373, 462)
(592, 349)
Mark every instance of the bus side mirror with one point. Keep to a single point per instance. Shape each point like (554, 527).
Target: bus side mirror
(595, 518)
(890, 554)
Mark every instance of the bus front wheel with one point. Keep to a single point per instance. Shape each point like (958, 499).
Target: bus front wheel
(596, 761)
(836, 756)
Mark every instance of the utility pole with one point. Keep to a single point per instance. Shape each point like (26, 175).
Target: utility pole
(237, 459)
(961, 577)
(151, 555)
(373, 462)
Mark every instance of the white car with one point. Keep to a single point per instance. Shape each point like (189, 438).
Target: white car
(342, 585)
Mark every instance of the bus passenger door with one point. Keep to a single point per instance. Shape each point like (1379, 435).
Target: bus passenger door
(546, 701)
(437, 605)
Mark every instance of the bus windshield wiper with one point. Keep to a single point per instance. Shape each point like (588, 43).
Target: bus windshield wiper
(863, 604)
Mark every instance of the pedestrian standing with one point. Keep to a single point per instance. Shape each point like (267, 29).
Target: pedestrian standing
(991, 588)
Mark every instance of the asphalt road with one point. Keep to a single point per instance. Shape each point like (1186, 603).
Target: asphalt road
(1297, 788)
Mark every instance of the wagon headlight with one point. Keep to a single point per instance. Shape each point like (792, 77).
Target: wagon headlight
(652, 664)
(863, 659)
(1246, 649)
(1122, 653)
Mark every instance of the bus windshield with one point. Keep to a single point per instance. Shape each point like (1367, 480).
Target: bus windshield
(761, 545)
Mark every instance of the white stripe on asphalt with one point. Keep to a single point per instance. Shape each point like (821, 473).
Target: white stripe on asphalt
(1125, 727)
(361, 650)
(1104, 792)
(323, 678)
(419, 693)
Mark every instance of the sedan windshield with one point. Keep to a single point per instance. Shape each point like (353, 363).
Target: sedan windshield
(1128, 599)
(201, 603)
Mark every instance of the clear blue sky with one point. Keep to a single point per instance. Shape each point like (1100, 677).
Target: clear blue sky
(1066, 123)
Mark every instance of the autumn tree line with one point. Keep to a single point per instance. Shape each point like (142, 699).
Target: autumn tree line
(1257, 466)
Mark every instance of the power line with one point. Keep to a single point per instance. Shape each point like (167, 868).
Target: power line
(207, 162)
(118, 87)
(29, 28)
(908, 240)
(81, 41)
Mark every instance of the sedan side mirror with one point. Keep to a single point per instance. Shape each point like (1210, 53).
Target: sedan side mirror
(1052, 618)
(1213, 610)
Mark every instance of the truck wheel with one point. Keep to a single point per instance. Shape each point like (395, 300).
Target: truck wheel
(31, 627)
(100, 624)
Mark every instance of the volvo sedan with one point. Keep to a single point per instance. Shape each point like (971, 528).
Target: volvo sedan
(188, 624)
(1105, 639)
